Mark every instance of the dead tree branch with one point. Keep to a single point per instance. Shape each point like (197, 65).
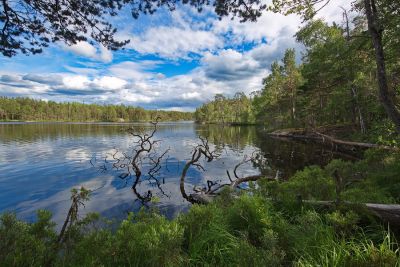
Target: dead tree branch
(200, 150)
(77, 198)
(205, 195)
(143, 154)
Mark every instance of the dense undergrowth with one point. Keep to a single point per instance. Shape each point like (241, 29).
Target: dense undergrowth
(264, 226)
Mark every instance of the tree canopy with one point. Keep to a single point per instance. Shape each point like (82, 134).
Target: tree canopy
(28, 26)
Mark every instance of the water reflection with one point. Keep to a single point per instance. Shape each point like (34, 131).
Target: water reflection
(41, 162)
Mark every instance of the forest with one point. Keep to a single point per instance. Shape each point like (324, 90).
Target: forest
(334, 84)
(26, 109)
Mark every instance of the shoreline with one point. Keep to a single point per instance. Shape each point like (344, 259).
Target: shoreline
(90, 122)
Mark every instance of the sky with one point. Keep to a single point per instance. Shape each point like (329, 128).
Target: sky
(174, 61)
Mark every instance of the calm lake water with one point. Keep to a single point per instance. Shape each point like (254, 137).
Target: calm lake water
(41, 162)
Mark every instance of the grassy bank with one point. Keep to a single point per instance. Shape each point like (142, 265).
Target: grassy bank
(264, 226)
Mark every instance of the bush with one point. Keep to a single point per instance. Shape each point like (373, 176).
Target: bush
(239, 234)
(310, 183)
(24, 244)
(140, 240)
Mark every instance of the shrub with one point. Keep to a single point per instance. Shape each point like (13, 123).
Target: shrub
(24, 244)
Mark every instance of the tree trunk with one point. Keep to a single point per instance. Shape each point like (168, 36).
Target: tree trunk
(354, 96)
(386, 97)
(357, 109)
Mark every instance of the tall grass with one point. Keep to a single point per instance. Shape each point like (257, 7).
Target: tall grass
(355, 252)
(249, 231)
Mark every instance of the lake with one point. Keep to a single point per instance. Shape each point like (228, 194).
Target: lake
(41, 162)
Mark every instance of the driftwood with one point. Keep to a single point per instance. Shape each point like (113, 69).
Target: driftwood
(323, 139)
(206, 195)
(389, 213)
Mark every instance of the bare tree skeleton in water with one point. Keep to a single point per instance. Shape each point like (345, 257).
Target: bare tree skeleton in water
(144, 153)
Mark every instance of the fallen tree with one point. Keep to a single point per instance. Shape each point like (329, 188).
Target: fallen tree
(204, 195)
(326, 140)
(389, 213)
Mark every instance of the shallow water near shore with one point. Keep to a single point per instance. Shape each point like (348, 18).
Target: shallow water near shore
(41, 162)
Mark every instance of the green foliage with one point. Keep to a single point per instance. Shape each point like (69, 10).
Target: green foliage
(235, 234)
(236, 110)
(276, 104)
(24, 244)
(343, 222)
(248, 217)
(22, 108)
(361, 252)
(375, 179)
(311, 183)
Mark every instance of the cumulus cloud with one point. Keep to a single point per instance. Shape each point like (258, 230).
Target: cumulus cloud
(174, 42)
(191, 95)
(87, 50)
(229, 65)
(268, 27)
(109, 82)
(138, 84)
(105, 54)
(83, 49)
(76, 81)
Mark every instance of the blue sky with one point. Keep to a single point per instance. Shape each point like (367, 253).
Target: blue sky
(174, 61)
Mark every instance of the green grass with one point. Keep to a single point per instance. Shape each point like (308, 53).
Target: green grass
(249, 231)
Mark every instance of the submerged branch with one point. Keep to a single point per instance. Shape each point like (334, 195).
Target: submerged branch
(206, 195)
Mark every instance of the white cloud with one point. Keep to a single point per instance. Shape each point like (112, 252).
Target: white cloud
(267, 27)
(229, 65)
(76, 81)
(333, 11)
(87, 50)
(174, 42)
(109, 82)
(84, 71)
(128, 96)
(83, 49)
(191, 95)
(134, 70)
(105, 54)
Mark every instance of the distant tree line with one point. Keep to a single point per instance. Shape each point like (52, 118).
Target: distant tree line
(26, 109)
